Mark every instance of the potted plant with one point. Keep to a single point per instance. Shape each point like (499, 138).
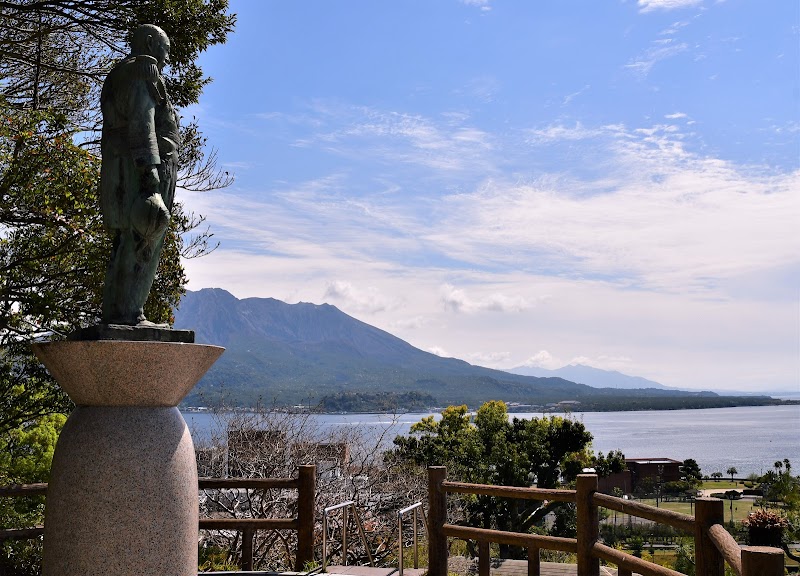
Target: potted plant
(765, 528)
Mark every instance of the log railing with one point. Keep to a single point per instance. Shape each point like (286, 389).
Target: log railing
(305, 484)
(713, 544)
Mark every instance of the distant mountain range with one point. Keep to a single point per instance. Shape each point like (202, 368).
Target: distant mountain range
(591, 377)
(285, 354)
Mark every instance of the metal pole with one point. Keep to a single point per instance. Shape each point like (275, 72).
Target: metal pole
(344, 536)
(324, 539)
(416, 550)
(400, 543)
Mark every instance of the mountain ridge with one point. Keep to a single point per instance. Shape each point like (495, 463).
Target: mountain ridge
(591, 376)
(306, 353)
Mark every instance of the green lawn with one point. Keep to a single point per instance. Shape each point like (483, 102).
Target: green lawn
(721, 484)
(740, 508)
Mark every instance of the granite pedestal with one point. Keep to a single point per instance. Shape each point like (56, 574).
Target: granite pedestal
(122, 498)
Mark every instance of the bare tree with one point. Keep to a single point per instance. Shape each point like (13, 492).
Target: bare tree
(350, 466)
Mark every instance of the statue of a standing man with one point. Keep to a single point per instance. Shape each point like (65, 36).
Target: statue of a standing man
(137, 183)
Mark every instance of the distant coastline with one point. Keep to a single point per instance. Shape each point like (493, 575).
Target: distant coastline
(612, 404)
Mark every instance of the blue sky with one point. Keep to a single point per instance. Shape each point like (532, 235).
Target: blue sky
(613, 183)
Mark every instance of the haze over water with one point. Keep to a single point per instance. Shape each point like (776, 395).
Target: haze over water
(750, 439)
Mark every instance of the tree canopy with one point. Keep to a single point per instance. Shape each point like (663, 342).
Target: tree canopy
(54, 56)
(53, 248)
(493, 449)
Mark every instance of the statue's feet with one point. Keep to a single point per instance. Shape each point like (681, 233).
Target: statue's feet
(145, 323)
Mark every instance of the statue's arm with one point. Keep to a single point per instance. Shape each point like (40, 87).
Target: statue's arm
(142, 137)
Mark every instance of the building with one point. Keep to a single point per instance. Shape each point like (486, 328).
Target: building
(657, 470)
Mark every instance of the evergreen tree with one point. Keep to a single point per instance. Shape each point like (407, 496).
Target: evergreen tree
(496, 450)
(53, 248)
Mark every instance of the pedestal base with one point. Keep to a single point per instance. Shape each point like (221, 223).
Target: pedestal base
(123, 495)
(122, 498)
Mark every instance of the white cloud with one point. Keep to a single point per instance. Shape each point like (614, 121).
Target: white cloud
(570, 97)
(489, 359)
(650, 5)
(644, 63)
(543, 359)
(557, 132)
(438, 351)
(484, 5)
(362, 300)
(675, 116)
(389, 137)
(456, 299)
(660, 259)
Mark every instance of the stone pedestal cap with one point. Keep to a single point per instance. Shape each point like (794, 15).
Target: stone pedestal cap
(122, 373)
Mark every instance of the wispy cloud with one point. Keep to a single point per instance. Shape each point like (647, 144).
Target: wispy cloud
(660, 50)
(484, 5)
(360, 299)
(651, 5)
(570, 97)
(391, 137)
(656, 238)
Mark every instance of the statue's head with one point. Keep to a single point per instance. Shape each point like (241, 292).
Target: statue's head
(151, 40)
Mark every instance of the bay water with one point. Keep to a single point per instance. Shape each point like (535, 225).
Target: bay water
(749, 439)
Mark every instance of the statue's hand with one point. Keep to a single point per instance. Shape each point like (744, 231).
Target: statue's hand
(150, 217)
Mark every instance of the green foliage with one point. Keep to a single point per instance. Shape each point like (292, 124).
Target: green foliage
(496, 450)
(690, 472)
(376, 402)
(779, 486)
(565, 524)
(25, 457)
(192, 27)
(53, 247)
(213, 558)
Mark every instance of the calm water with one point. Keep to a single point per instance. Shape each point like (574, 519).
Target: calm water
(748, 438)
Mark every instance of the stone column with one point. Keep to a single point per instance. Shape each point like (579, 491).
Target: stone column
(123, 497)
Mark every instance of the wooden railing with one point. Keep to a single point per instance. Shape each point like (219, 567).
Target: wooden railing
(713, 544)
(305, 484)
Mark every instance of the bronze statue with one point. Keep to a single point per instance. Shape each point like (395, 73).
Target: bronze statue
(139, 144)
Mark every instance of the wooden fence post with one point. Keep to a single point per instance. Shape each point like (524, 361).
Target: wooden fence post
(247, 548)
(484, 558)
(588, 525)
(534, 562)
(762, 561)
(708, 560)
(306, 493)
(437, 517)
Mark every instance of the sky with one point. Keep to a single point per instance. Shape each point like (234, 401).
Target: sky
(613, 183)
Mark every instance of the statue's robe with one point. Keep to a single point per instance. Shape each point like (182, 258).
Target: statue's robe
(140, 131)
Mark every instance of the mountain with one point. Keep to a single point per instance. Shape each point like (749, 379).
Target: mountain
(591, 377)
(301, 353)
(279, 353)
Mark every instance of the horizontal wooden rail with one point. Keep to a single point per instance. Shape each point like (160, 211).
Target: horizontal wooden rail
(253, 483)
(631, 563)
(304, 483)
(520, 492)
(714, 546)
(24, 490)
(675, 519)
(245, 523)
(727, 546)
(21, 533)
(511, 538)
